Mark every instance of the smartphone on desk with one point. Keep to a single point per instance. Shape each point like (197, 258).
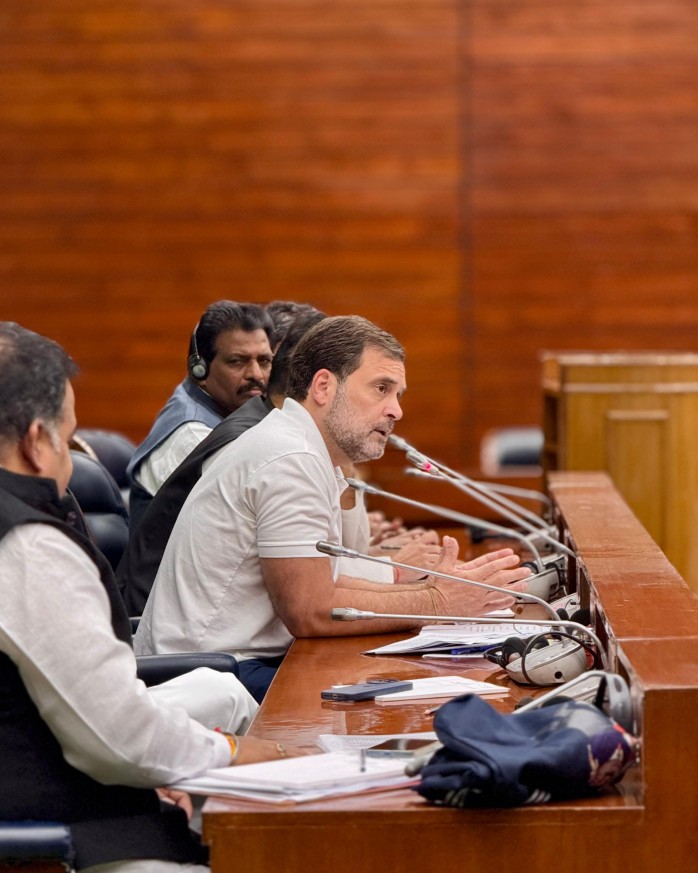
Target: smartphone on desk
(402, 748)
(365, 690)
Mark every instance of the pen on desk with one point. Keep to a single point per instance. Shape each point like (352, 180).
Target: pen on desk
(453, 657)
(362, 761)
(479, 651)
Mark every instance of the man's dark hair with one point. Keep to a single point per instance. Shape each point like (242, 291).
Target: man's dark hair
(306, 318)
(336, 344)
(284, 313)
(226, 315)
(33, 375)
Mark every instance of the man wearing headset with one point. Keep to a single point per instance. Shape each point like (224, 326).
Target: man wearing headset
(229, 360)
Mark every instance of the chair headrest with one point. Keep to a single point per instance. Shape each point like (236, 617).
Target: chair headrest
(94, 487)
(113, 449)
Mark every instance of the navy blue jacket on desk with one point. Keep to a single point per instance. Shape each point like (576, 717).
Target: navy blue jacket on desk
(559, 751)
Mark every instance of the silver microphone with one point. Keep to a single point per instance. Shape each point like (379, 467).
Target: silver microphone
(425, 464)
(452, 514)
(339, 551)
(497, 487)
(501, 505)
(348, 613)
(547, 572)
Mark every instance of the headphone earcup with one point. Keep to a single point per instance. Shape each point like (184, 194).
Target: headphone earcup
(613, 698)
(582, 616)
(198, 368)
(511, 650)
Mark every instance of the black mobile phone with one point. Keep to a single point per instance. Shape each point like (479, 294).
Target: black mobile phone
(365, 690)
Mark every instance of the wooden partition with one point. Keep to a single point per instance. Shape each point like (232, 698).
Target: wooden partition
(635, 415)
(649, 620)
(485, 178)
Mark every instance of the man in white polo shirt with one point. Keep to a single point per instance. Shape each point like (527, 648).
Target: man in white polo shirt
(241, 572)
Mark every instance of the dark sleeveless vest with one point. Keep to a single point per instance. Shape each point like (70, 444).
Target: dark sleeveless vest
(108, 823)
(139, 565)
(187, 403)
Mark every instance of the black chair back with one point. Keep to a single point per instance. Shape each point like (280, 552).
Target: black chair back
(102, 505)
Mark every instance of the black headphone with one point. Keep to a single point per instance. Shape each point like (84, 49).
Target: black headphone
(197, 366)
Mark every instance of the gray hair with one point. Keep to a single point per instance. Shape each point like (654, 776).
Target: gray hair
(34, 371)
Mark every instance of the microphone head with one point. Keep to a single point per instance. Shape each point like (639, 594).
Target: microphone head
(420, 462)
(345, 613)
(413, 471)
(358, 485)
(333, 549)
(399, 443)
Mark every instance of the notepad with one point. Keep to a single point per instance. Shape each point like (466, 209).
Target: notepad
(297, 780)
(443, 686)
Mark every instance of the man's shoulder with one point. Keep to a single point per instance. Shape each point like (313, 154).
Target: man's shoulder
(246, 416)
(38, 537)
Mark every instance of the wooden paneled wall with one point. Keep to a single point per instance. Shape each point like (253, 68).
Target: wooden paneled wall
(484, 178)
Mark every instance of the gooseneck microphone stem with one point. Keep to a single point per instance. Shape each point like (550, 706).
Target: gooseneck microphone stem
(459, 517)
(525, 493)
(338, 551)
(347, 613)
(511, 511)
(483, 489)
(428, 466)
(512, 490)
(562, 689)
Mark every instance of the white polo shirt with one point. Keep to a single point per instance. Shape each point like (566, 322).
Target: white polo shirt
(272, 493)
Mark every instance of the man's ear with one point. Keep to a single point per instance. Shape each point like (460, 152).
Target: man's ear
(32, 445)
(323, 387)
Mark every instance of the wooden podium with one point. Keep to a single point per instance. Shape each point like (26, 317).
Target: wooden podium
(634, 415)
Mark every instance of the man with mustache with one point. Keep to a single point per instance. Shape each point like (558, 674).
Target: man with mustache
(229, 360)
(241, 573)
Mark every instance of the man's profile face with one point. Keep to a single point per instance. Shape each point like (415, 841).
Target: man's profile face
(366, 407)
(58, 464)
(240, 368)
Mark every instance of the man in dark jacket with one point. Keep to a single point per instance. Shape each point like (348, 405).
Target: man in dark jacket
(81, 741)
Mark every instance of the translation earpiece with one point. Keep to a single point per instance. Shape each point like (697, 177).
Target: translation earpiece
(197, 366)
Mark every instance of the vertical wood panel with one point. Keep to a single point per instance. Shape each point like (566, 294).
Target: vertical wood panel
(486, 178)
(157, 155)
(585, 160)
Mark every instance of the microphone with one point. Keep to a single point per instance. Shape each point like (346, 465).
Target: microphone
(525, 493)
(512, 511)
(427, 466)
(499, 488)
(348, 613)
(459, 517)
(338, 551)
(549, 574)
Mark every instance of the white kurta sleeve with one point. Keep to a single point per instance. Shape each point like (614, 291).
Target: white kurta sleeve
(55, 626)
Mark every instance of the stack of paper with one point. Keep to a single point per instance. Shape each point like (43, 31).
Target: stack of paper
(443, 686)
(457, 638)
(297, 780)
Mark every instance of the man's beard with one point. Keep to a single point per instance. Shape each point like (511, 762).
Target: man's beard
(356, 443)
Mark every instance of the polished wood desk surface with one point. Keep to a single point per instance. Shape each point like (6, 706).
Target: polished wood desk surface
(650, 620)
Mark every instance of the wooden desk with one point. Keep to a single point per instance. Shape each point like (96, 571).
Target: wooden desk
(650, 620)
